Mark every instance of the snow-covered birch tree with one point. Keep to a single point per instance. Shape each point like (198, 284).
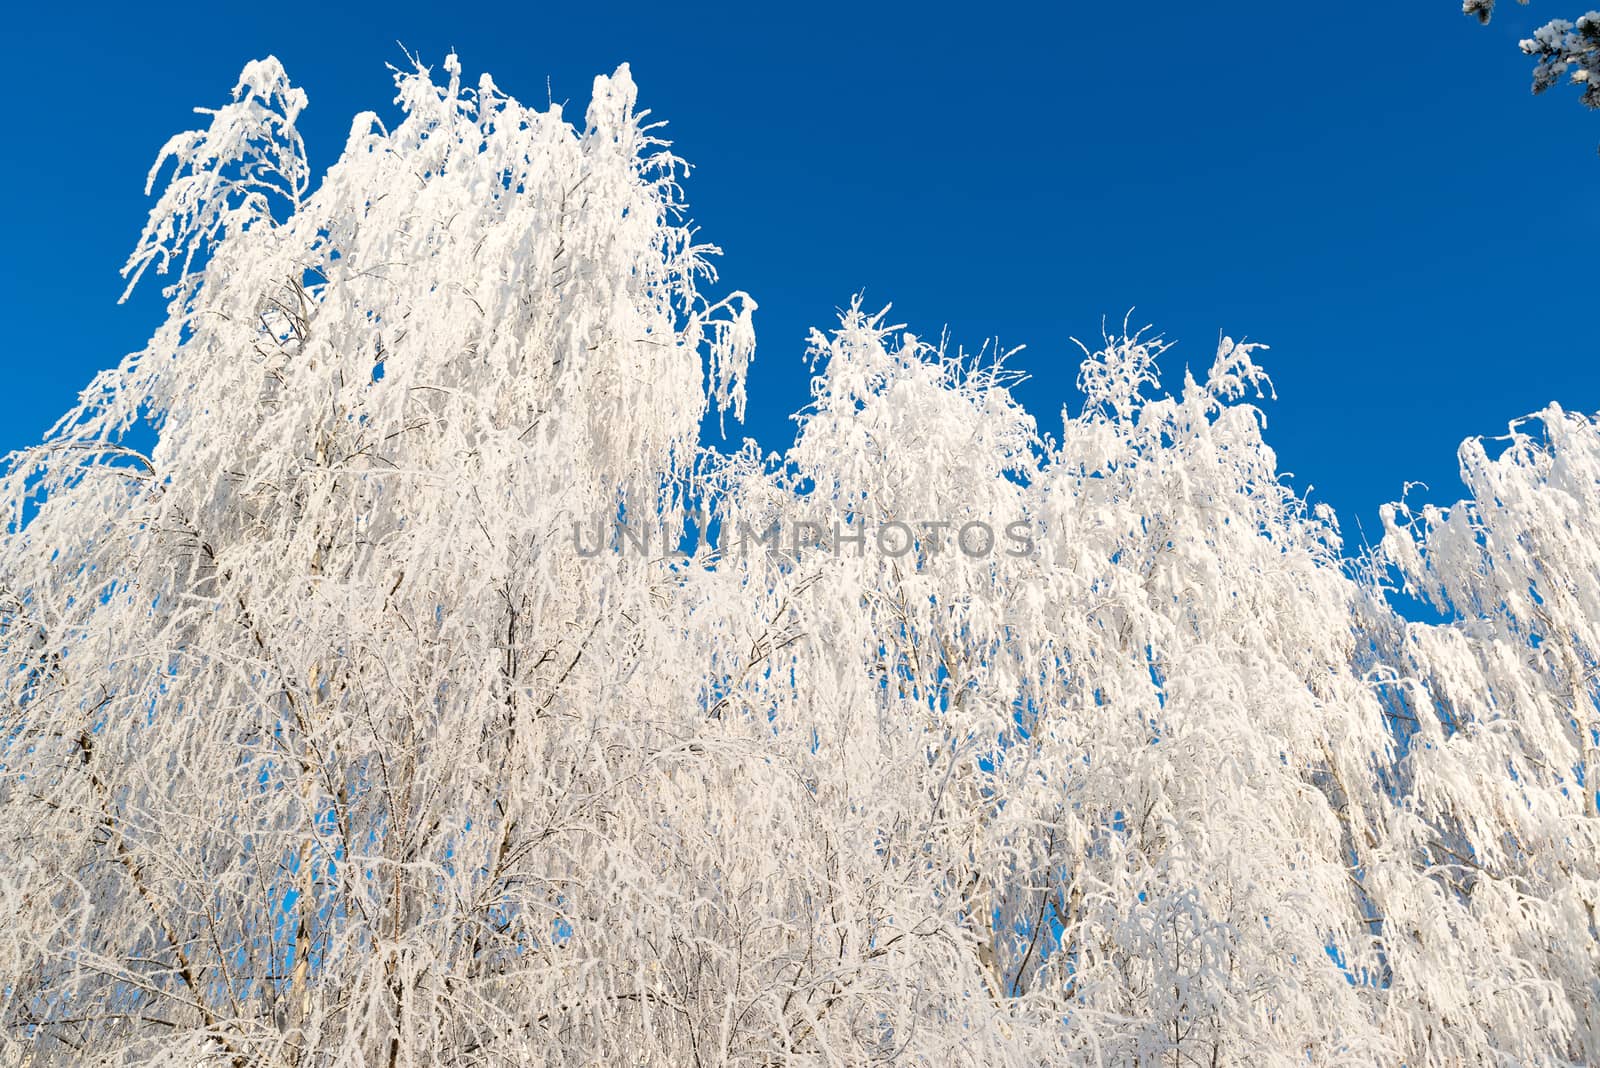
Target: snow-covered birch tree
(429, 693)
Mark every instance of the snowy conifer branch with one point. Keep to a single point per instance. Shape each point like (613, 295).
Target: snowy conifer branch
(1564, 49)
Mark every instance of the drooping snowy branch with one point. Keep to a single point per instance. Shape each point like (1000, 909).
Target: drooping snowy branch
(229, 176)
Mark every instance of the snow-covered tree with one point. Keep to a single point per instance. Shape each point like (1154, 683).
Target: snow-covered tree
(373, 715)
(1563, 49)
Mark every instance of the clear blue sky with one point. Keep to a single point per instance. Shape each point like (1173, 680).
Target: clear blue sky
(1372, 192)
